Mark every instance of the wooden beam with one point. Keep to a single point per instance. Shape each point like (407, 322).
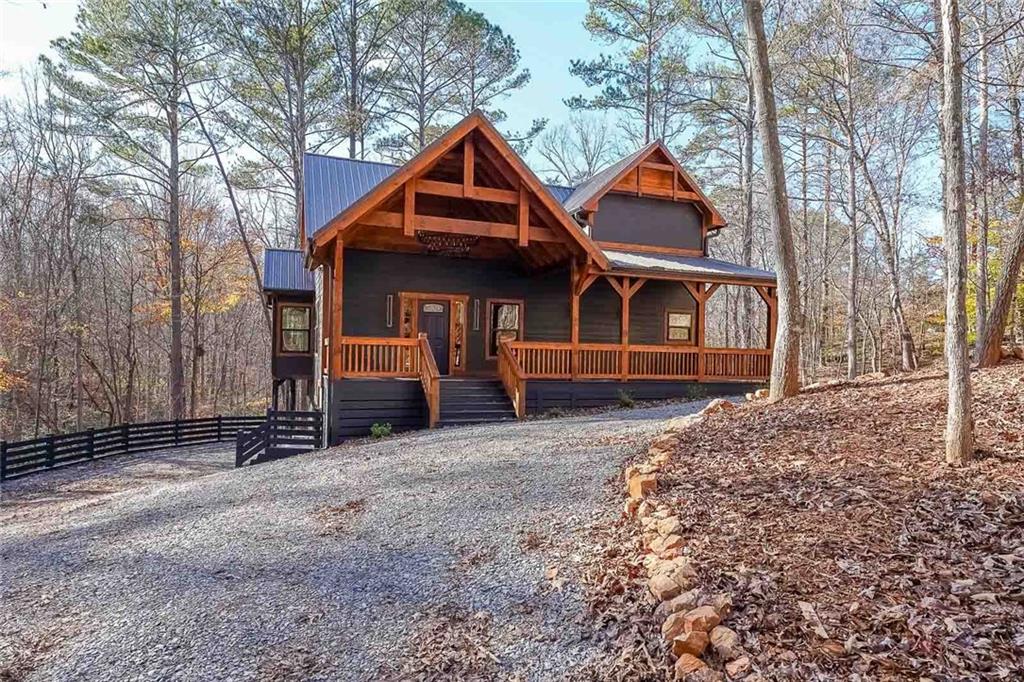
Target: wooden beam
(480, 228)
(694, 291)
(409, 208)
(453, 189)
(711, 290)
(468, 162)
(575, 277)
(585, 282)
(647, 248)
(617, 285)
(701, 313)
(524, 216)
(337, 279)
(624, 290)
(654, 165)
(636, 287)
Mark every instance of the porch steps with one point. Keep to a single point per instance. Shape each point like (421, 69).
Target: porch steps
(473, 401)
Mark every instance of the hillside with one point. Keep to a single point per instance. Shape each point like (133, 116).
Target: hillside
(844, 543)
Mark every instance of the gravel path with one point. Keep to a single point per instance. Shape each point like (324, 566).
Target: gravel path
(343, 564)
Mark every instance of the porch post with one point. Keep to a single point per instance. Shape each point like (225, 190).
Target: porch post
(337, 277)
(773, 317)
(574, 317)
(701, 319)
(624, 336)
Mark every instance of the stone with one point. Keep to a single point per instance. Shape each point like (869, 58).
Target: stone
(686, 601)
(663, 587)
(644, 510)
(642, 485)
(678, 424)
(761, 393)
(702, 618)
(750, 397)
(722, 604)
(686, 665)
(670, 526)
(684, 576)
(717, 405)
(1018, 352)
(668, 547)
(674, 625)
(666, 441)
(692, 643)
(631, 471)
(726, 643)
(738, 667)
(630, 510)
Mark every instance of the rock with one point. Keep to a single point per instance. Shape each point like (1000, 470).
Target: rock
(644, 510)
(702, 618)
(1018, 352)
(750, 397)
(665, 442)
(686, 601)
(717, 405)
(663, 587)
(642, 485)
(684, 576)
(726, 643)
(738, 667)
(668, 547)
(655, 564)
(674, 625)
(722, 604)
(679, 424)
(670, 526)
(761, 393)
(687, 665)
(692, 643)
(632, 505)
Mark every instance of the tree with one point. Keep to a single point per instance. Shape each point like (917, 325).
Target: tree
(785, 379)
(959, 422)
(643, 80)
(576, 150)
(128, 65)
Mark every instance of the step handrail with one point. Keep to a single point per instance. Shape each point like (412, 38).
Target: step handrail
(512, 378)
(430, 378)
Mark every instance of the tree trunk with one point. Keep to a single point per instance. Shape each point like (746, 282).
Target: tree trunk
(747, 236)
(785, 380)
(981, 292)
(177, 379)
(854, 233)
(959, 423)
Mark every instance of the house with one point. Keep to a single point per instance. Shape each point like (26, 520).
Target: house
(459, 288)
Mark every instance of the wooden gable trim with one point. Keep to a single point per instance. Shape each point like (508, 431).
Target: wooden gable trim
(697, 196)
(420, 163)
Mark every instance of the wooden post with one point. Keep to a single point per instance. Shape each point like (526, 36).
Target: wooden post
(125, 437)
(49, 452)
(337, 278)
(220, 427)
(3, 459)
(409, 209)
(468, 162)
(701, 314)
(524, 215)
(91, 444)
(574, 317)
(773, 317)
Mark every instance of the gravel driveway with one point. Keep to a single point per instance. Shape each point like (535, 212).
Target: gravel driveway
(353, 563)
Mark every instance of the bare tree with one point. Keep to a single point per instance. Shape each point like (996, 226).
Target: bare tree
(577, 149)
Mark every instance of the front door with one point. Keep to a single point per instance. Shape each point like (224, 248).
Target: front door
(434, 323)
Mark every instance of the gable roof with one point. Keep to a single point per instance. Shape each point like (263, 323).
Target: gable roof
(333, 183)
(476, 121)
(601, 182)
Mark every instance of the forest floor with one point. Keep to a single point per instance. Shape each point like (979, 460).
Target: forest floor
(849, 549)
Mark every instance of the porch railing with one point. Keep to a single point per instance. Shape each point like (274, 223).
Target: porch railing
(394, 358)
(547, 360)
(512, 376)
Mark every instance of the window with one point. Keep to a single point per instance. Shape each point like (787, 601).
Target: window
(504, 321)
(295, 325)
(678, 326)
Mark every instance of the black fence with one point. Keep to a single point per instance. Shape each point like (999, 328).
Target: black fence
(284, 433)
(40, 454)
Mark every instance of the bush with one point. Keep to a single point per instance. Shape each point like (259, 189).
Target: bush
(379, 430)
(625, 399)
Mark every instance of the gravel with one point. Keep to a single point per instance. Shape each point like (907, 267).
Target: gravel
(331, 565)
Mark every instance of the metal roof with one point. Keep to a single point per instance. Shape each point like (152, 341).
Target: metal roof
(686, 265)
(332, 184)
(285, 270)
(596, 182)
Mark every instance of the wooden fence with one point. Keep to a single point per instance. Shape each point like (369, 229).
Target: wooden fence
(24, 457)
(283, 433)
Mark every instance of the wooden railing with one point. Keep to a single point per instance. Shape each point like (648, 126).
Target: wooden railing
(430, 377)
(546, 360)
(284, 433)
(512, 376)
(369, 356)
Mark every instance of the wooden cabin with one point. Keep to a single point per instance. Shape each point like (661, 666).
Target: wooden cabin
(459, 288)
(288, 290)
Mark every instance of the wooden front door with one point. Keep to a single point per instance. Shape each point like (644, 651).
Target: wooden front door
(434, 323)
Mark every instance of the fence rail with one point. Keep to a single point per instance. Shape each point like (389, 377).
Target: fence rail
(20, 458)
(283, 433)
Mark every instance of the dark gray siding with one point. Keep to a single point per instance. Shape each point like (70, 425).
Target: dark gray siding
(544, 395)
(601, 310)
(371, 275)
(648, 221)
(358, 404)
(290, 365)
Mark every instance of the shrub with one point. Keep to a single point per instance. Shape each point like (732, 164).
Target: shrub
(625, 399)
(379, 430)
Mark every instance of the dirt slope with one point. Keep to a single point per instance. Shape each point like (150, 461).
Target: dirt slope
(839, 499)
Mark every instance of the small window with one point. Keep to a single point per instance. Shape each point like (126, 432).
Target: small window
(504, 321)
(295, 326)
(678, 327)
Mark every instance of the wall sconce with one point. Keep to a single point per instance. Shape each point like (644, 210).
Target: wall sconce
(389, 312)
(476, 314)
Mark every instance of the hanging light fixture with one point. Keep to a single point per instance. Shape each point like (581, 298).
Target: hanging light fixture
(446, 244)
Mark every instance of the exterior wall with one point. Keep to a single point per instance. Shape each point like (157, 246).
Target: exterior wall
(357, 404)
(601, 310)
(292, 365)
(544, 395)
(648, 221)
(371, 275)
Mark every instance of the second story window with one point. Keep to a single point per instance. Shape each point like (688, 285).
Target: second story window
(296, 323)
